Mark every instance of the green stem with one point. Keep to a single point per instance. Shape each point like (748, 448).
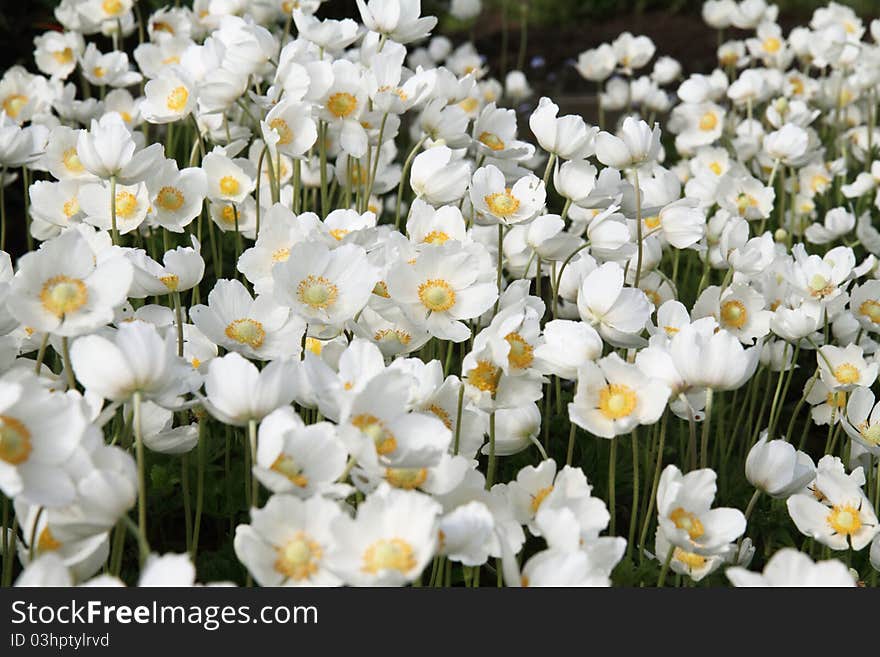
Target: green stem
(704, 439)
(490, 470)
(612, 458)
(403, 178)
(114, 231)
(634, 509)
(143, 544)
(68, 368)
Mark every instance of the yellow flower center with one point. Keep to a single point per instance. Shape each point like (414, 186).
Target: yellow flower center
(342, 104)
(771, 45)
(246, 331)
(162, 26)
(502, 204)
(229, 214)
(169, 198)
(406, 478)
(491, 141)
(818, 183)
(63, 56)
(70, 207)
(836, 399)
(469, 105)
(671, 330)
(485, 376)
(14, 103)
(338, 233)
(62, 295)
(692, 560)
(70, 159)
(441, 414)
(820, 286)
(46, 541)
(436, 295)
(708, 121)
(617, 400)
(317, 292)
(126, 204)
(844, 519)
(229, 186)
(177, 99)
(99, 72)
(870, 432)
(539, 497)
(734, 313)
(652, 223)
(285, 134)
(389, 554)
(299, 558)
(436, 237)
(871, 310)
(171, 281)
(744, 202)
(281, 255)
(15, 440)
(287, 467)
(375, 429)
(396, 335)
(314, 346)
(715, 168)
(846, 373)
(520, 354)
(112, 7)
(687, 521)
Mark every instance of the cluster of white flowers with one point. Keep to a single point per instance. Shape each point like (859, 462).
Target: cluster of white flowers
(401, 290)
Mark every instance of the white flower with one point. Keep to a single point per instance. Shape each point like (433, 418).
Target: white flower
(613, 397)
(685, 515)
(843, 518)
(289, 542)
(777, 468)
(789, 567)
(237, 392)
(299, 459)
(619, 313)
(446, 284)
(324, 286)
(390, 540)
(437, 178)
(566, 136)
(507, 205)
(256, 328)
(39, 432)
(170, 97)
(136, 359)
(845, 368)
(637, 146)
(60, 288)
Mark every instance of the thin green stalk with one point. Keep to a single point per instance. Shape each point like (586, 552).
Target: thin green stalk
(403, 178)
(252, 441)
(68, 367)
(657, 468)
(143, 544)
(704, 438)
(612, 505)
(662, 579)
(114, 231)
(638, 225)
(187, 506)
(634, 511)
(490, 470)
